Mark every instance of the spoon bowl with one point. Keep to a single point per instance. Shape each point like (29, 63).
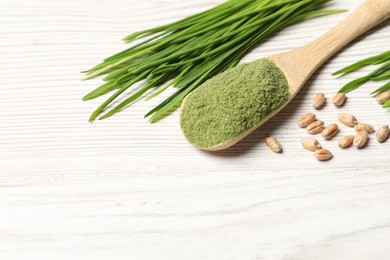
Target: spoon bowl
(299, 64)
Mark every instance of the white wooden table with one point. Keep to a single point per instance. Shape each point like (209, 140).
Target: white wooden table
(126, 189)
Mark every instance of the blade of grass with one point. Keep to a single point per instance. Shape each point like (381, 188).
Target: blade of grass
(374, 60)
(354, 84)
(386, 104)
(122, 89)
(383, 76)
(126, 102)
(381, 89)
(103, 89)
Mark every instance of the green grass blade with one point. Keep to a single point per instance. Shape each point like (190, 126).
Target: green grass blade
(386, 104)
(385, 87)
(122, 89)
(103, 89)
(354, 84)
(374, 60)
(383, 76)
(126, 102)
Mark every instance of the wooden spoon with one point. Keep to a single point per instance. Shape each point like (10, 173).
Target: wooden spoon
(300, 63)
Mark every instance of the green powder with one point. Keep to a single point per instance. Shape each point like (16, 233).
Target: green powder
(232, 102)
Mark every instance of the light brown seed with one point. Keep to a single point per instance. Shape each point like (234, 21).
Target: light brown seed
(360, 139)
(273, 144)
(348, 119)
(338, 99)
(330, 131)
(346, 141)
(310, 144)
(306, 120)
(315, 128)
(323, 154)
(383, 97)
(383, 133)
(364, 127)
(318, 100)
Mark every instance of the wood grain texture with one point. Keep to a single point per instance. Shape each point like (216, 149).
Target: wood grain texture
(125, 189)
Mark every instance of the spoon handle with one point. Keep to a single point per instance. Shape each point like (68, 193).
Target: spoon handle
(308, 58)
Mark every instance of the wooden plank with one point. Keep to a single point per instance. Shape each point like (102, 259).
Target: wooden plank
(126, 189)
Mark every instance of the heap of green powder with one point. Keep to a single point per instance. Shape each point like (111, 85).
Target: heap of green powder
(232, 102)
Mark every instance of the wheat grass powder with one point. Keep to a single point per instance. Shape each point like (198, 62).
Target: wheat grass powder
(232, 102)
